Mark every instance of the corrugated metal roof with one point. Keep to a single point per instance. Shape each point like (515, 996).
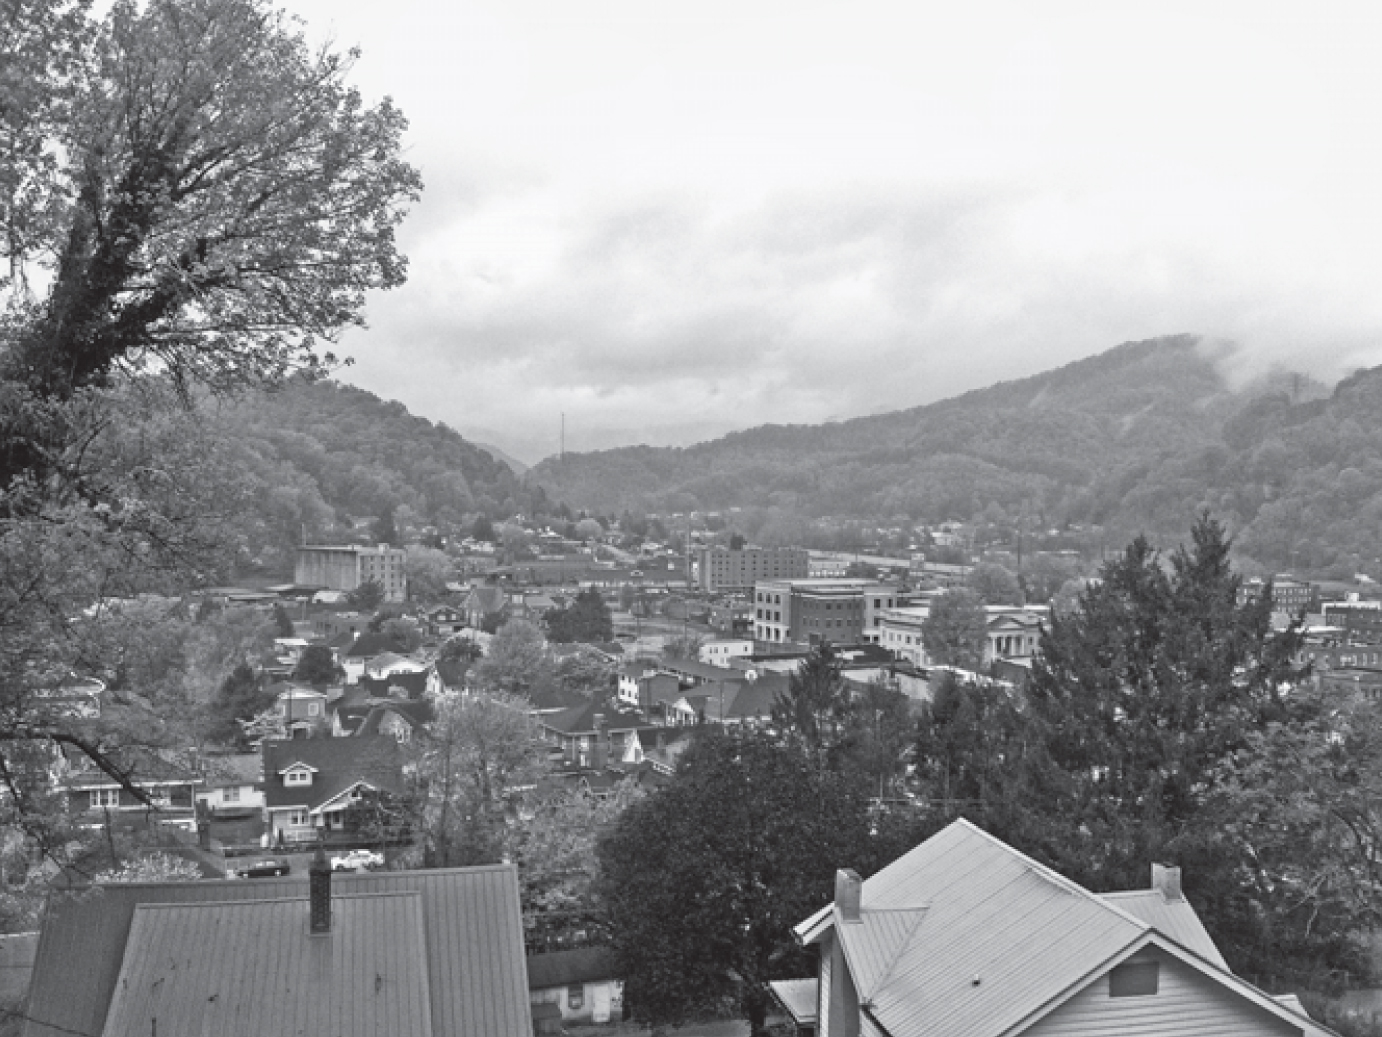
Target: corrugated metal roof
(873, 943)
(1173, 918)
(474, 939)
(799, 997)
(251, 967)
(1024, 932)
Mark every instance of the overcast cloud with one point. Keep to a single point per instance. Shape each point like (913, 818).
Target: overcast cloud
(668, 222)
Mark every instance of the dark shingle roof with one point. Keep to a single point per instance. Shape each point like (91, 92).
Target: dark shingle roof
(413, 683)
(339, 762)
(369, 644)
(561, 968)
(471, 926)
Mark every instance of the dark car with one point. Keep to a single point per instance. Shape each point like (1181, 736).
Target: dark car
(262, 868)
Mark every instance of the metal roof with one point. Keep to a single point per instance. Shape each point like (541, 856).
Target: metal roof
(799, 996)
(966, 937)
(251, 967)
(1171, 917)
(473, 932)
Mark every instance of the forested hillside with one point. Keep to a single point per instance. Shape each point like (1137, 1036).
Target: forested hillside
(321, 457)
(1139, 438)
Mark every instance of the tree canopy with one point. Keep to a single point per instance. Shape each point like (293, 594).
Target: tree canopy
(703, 879)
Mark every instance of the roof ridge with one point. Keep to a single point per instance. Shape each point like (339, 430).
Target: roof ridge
(1052, 876)
(886, 974)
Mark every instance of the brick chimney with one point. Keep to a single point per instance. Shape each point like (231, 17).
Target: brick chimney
(319, 893)
(849, 892)
(1166, 880)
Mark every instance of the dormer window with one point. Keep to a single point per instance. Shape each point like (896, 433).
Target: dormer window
(298, 776)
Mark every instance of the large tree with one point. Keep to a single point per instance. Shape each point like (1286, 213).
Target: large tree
(954, 631)
(704, 879)
(1141, 695)
(476, 755)
(189, 195)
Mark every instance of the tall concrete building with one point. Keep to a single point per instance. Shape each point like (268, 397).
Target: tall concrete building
(722, 570)
(820, 610)
(346, 567)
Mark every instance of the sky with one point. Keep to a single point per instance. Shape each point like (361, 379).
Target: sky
(666, 222)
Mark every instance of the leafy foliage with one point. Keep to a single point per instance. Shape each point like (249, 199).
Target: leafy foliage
(587, 619)
(955, 630)
(704, 879)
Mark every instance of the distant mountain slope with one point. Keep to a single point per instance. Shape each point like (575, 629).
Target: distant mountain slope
(326, 455)
(1138, 438)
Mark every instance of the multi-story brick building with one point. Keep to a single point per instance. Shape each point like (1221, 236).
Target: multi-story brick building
(346, 567)
(720, 570)
(820, 611)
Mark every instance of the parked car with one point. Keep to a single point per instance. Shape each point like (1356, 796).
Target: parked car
(263, 867)
(357, 859)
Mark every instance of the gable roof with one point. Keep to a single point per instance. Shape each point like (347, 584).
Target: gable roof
(239, 967)
(414, 682)
(340, 763)
(964, 905)
(414, 714)
(471, 931)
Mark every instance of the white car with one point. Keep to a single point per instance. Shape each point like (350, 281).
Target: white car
(356, 860)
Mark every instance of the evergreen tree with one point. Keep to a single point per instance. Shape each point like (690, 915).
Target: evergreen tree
(240, 697)
(812, 711)
(316, 666)
(1142, 696)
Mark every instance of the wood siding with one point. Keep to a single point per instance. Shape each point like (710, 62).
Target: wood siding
(827, 952)
(1186, 1004)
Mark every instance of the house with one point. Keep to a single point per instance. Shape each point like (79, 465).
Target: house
(966, 937)
(659, 747)
(720, 652)
(302, 708)
(410, 954)
(485, 603)
(310, 783)
(388, 665)
(366, 647)
(445, 620)
(581, 984)
(168, 783)
(589, 736)
(233, 786)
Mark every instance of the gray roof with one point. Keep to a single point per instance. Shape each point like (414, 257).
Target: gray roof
(251, 967)
(799, 996)
(963, 904)
(562, 968)
(473, 933)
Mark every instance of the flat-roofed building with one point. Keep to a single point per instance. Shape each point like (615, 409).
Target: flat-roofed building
(820, 611)
(720, 569)
(346, 567)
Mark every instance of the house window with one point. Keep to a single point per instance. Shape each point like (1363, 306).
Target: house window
(230, 795)
(1133, 979)
(313, 708)
(575, 996)
(300, 776)
(102, 798)
(297, 819)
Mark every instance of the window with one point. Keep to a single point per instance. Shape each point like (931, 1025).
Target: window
(1133, 979)
(230, 795)
(298, 776)
(101, 798)
(297, 818)
(575, 996)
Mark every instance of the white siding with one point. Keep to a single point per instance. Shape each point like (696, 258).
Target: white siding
(1186, 1004)
(827, 952)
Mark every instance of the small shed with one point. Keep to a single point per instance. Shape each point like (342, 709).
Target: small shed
(581, 983)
